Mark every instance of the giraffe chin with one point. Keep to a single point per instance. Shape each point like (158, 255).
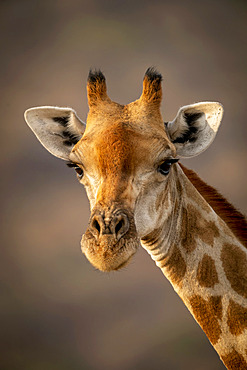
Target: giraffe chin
(107, 254)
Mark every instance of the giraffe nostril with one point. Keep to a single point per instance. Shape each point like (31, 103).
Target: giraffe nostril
(116, 226)
(119, 226)
(96, 225)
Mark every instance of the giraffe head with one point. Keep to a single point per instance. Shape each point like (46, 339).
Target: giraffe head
(125, 157)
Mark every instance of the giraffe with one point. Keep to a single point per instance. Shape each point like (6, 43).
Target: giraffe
(127, 159)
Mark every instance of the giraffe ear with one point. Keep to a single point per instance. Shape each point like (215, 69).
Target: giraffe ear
(58, 129)
(195, 128)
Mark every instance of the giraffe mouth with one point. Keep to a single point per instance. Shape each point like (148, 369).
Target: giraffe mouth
(108, 254)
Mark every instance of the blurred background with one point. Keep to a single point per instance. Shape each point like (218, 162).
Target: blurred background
(57, 311)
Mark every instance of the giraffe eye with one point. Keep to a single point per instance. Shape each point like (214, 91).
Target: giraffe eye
(79, 171)
(164, 168)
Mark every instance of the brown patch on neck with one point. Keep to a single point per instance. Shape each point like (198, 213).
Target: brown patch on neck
(237, 318)
(207, 314)
(234, 361)
(194, 226)
(234, 262)
(206, 273)
(216, 302)
(234, 219)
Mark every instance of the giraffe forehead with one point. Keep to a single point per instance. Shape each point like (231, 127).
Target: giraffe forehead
(121, 146)
(114, 151)
(137, 114)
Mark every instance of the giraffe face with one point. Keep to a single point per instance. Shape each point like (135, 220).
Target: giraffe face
(124, 157)
(123, 181)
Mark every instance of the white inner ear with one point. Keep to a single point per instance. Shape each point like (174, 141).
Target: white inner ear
(58, 129)
(195, 127)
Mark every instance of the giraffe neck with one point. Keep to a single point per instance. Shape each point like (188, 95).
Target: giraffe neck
(207, 266)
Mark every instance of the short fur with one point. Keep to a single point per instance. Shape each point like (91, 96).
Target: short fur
(96, 87)
(152, 92)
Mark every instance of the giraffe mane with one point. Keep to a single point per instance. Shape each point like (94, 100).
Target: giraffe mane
(234, 219)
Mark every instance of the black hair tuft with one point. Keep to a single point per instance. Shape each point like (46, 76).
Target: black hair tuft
(153, 75)
(95, 76)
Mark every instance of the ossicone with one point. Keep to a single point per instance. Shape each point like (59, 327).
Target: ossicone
(152, 90)
(96, 87)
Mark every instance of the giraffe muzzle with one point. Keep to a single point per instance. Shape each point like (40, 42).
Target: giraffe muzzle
(111, 238)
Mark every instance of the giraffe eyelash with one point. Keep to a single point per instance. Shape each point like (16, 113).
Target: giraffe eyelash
(72, 164)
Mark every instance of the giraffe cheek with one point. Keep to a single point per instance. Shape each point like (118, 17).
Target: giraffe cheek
(144, 221)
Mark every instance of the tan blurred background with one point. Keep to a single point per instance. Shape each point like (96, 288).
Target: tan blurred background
(57, 312)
